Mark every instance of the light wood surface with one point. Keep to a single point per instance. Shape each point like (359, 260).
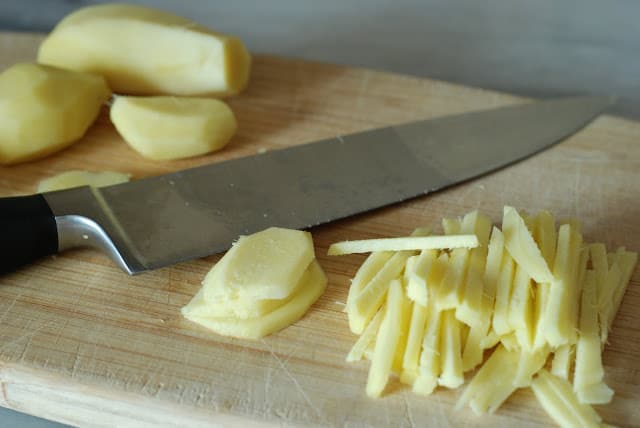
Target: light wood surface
(85, 344)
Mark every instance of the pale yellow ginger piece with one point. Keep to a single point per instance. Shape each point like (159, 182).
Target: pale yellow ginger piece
(521, 309)
(242, 308)
(386, 342)
(425, 269)
(450, 351)
(470, 309)
(598, 255)
(582, 270)
(546, 236)
(264, 265)
(528, 365)
(574, 222)
(363, 304)
(424, 384)
(532, 224)
(563, 356)
(490, 340)
(605, 312)
(499, 394)
(45, 109)
(477, 224)
(409, 272)
(315, 282)
(141, 50)
(524, 316)
(510, 341)
(472, 354)
(522, 247)
(500, 321)
(450, 290)
(589, 372)
(622, 267)
(560, 326)
(492, 271)
(367, 337)
(481, 381)
(368, 352)
(540, 303)
(405, 325)
(372, 295)
(76, 178)
(408, 243)
(464, 333)
(598, 393)
(166, 128)
(559, 401)
(451, 226)
(371, 266)
(627, 261)
(492, 384)
(490, 278)
(430, 359)
(452, 286)
(411, 358)
(437, 274)
(408, 268)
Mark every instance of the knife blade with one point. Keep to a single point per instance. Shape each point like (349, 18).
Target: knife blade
(158, 221)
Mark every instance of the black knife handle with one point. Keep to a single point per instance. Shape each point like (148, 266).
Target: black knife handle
(27, 231)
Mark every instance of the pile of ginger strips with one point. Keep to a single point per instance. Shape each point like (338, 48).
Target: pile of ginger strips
(538, 300)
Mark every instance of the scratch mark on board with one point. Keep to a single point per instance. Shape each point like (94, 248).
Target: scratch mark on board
(60, 330)
(74, 368)
(25, 348)
(6, 312)
(28, 336)
(386, 413)
(267, 383)
(299, 388)
(292, 352)
(407, 407)
(440, 407)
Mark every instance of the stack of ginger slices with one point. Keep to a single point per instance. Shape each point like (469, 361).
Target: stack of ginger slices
(264, 283)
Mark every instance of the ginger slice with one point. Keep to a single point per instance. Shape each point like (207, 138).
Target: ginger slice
(386, 342)
(315, 282)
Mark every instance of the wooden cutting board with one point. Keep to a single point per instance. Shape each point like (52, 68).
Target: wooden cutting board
(85, 344)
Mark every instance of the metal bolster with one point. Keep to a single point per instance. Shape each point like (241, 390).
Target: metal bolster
(83, 220)
(79, 231)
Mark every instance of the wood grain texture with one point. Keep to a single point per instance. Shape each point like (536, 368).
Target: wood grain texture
(85, 344)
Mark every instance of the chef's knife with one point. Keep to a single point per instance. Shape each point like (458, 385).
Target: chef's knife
(158, 221)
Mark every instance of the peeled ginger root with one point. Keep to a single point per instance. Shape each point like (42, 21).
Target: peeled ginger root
(45, 109)
(548, 335)
(144, 51)
(164, 128)
(264, 283)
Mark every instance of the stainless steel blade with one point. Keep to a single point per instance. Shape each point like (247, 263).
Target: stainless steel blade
(154, 222)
